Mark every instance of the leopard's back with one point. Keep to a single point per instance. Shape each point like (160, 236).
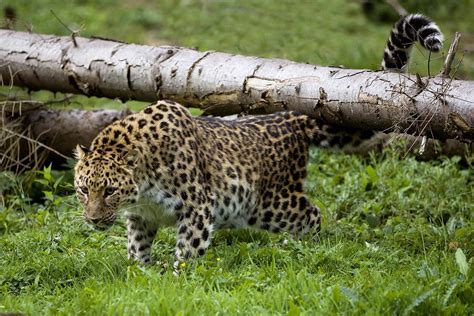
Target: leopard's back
(251, 162)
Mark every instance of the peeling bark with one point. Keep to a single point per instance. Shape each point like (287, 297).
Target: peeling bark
(223, 84)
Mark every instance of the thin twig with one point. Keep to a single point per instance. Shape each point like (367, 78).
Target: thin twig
(397, 7)
(62, 100)
(36, 142)
(429, 62)
(73, 33)
(451, 53)
(16, 107)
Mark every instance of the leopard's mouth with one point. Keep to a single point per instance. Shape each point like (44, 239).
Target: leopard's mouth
(100, 227)
(100, 224)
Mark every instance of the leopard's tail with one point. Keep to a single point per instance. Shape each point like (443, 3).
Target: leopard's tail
(333, 137)
(318, 134)
(407, 31)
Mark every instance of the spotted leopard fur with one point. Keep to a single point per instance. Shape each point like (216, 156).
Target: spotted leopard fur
(204, 174)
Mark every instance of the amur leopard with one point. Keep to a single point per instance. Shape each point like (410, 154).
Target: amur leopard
(204, 173)
(163, 165)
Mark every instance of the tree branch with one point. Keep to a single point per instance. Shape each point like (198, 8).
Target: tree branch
(450, 56)
(397, 7)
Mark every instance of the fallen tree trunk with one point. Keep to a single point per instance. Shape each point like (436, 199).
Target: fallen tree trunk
(222, 84)
(29, 138)
(31, 135)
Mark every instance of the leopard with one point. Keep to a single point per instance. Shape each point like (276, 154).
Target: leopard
(163, 166)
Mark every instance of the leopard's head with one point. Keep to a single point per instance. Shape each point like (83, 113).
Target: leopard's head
(104, 183)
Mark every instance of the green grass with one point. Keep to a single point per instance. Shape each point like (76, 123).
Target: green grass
(397, 233)
(391, 229)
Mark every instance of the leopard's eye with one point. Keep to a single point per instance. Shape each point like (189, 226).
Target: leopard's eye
(109, 191)
(84, 190)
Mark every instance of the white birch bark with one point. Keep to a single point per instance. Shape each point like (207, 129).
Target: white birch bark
(25, 134)
(221, 83)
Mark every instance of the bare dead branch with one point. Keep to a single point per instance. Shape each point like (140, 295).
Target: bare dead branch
(31, 140)
(15, 107)
(401, 11)
(73, 33)
(450, 56)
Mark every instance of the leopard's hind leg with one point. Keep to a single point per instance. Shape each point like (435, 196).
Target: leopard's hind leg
(292, 213)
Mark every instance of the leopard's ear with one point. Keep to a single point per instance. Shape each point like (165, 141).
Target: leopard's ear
(131, 158)
(81, 152)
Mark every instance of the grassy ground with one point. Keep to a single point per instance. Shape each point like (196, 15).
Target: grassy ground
(397, 236)
(397, 239)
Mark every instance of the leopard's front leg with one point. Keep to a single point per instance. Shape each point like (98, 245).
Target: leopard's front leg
(140, 237)
(194, 231)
